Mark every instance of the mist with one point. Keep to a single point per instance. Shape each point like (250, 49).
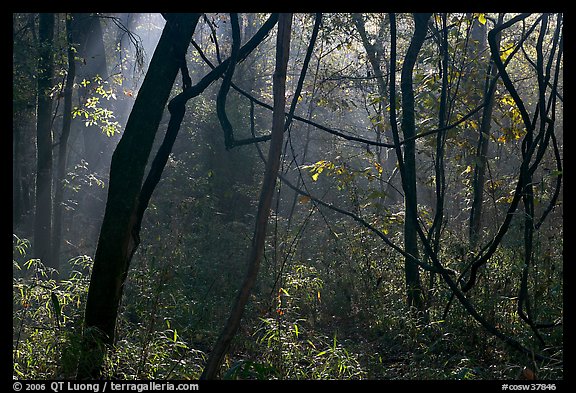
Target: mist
(327, 196)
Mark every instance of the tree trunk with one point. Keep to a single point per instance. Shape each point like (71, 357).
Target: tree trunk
(63, 143)
(482, 151)
(43, 218)
(266, 194)
(374, 53)
(128, 197)
(116, 241)
(17, 192)
(412, 272)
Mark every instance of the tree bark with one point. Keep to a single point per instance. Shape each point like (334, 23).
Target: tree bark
(43, 218)
(374, 53)
(116, 241)
(412, 273)
(482, 150)
(128, 198)
(265, 201)
(63, 144)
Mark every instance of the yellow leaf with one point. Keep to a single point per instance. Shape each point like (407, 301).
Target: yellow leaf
(482, 18)
(315, 176)
(507, 52)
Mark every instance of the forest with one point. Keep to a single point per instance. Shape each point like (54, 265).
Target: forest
(287, 196)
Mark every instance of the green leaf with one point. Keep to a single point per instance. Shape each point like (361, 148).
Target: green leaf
(334, 345)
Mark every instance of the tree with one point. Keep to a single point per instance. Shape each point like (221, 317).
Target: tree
(128, 196)
(63, 141)
(375, 53)
(43, 219)
(24, 109)
(407, 160)
(265, 201)
(483, 144)
(116, 242)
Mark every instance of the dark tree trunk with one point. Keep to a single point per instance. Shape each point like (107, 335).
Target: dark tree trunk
(265, 201)
(128, 196)
(116, 242)
(43, 219)
(482, 151)
(435, 231)
(24, 123)
(17, 189)
(374, 53)
(63, 143)
(412, 272)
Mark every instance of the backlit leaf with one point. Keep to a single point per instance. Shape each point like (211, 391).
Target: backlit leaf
(482, 18)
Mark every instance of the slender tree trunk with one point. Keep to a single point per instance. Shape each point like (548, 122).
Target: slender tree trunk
(63, 143)
(17, 197)
(374, 53)
(412, 272)
(16, 143)
(43, 219)
(266, 194)
(482, 151)
(435, 230)
(306, 141)
(116, 241)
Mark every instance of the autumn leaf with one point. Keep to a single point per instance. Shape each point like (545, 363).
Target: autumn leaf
(482, 18)
(304, 199)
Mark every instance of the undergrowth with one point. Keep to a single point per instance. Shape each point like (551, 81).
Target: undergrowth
(302, 334)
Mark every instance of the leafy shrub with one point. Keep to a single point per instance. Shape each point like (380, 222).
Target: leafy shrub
(47, 315)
